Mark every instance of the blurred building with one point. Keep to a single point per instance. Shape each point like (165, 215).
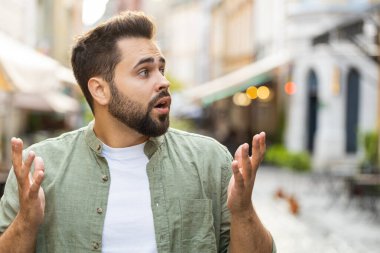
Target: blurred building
(36, 91)
(57, 23)
(236, 65)
(17, 17)
(335, 70)
(183, 36)
(319, 61)
(232, 116)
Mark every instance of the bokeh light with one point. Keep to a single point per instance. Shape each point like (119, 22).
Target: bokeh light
(263, 92)
(241, 99)
(290, 88)
(252, 92)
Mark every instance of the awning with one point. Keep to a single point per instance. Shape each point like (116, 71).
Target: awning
(32, 77)
(51, 101)
(239, 80)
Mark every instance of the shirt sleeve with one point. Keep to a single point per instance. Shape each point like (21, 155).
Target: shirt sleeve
(9, 203)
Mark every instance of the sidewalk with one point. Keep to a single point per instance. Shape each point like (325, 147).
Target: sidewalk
(324, 224)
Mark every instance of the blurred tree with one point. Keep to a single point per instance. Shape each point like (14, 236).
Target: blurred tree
(175, 84)
(371, 152)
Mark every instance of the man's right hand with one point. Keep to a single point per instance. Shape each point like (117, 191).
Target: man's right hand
(31, 194)
(24, 228)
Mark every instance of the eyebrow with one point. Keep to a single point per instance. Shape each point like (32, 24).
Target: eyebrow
(149, 60)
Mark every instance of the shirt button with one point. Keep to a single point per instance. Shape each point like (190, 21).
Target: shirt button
(95, 245)
(99, 147)
(99, 210)
(105, 178)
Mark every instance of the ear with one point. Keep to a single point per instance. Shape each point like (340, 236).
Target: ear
(99, 90)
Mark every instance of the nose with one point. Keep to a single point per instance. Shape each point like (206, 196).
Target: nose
(162, 83)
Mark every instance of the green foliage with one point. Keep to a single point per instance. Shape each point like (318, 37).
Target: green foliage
(371, 149)
(182, 124)
(175, 85)
(278, 155)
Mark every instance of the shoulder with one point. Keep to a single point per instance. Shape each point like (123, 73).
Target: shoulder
(200, 144)
(62, 142)
(188, 138)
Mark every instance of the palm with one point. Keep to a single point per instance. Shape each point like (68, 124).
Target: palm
(31, 194)
(244, 170)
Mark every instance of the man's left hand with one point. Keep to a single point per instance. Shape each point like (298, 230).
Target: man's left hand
(244, 170)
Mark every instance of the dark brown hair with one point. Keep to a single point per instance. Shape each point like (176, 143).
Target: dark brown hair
(96, 53)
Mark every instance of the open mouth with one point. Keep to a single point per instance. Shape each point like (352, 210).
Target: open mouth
(163, 104)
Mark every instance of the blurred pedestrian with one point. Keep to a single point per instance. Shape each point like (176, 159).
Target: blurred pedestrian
(127, 182)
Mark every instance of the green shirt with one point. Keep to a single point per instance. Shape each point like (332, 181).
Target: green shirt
(188, 178)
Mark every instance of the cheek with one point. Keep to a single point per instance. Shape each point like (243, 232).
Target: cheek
(141, 97)
(136, 91)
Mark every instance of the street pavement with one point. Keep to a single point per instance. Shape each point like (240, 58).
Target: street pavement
(328, 220)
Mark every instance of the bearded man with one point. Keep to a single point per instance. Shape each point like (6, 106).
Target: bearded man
(127, 182)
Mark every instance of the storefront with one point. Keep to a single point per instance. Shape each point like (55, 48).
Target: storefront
(29, 82)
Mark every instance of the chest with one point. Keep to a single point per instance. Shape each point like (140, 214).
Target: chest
(181, 196)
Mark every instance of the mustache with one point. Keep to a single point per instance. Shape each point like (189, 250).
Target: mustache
(164, 93)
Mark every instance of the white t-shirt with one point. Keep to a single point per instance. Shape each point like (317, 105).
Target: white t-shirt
(128, 225)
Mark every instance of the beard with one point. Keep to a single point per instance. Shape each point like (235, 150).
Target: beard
(132, 114)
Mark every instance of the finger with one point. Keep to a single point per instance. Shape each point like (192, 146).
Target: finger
(246, 162)
(29, 160)
(38, 176)
(262, 145)
(238, 156)
(17, 146)
(25, 171)
(256, 155)
(35, 187)
(239, 181)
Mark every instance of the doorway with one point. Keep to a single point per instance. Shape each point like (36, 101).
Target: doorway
(352, 110)
(312, 109)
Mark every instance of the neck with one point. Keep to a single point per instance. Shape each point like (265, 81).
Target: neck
(115, 134)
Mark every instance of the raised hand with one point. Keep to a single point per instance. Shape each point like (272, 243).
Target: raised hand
(31, 194)
(244, 170)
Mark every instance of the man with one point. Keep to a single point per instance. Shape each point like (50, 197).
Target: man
(126, 183)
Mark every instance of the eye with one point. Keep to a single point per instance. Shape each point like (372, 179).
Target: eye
(143, 73)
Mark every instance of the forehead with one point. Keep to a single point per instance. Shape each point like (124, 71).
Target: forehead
(134, 49)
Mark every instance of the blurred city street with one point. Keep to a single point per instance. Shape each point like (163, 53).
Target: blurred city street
(324, 224)
(304, 71)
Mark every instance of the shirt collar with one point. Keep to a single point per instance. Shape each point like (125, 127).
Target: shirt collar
(95, 144)
(92, 141)
(152, 145)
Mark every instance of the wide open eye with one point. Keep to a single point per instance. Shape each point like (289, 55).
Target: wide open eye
(143, 73)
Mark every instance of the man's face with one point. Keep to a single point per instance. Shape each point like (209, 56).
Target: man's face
(139, 94)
